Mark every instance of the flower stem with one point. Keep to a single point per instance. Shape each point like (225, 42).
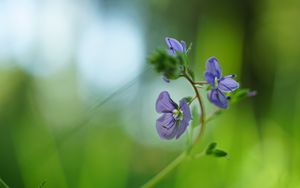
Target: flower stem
(202, 116)
(195, 97)
(165, 171)
(200, 83)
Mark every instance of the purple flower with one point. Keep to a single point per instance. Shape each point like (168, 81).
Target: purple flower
(174, 119)
(174, 46)
(213, 76)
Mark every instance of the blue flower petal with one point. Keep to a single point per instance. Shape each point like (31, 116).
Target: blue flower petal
(186, 117)
(164, 103)
(174, 45)
(210, 78)
(166, 126)
(213, 66)
(183, 44)
(185, 108)
(227, 84)
(217, 98)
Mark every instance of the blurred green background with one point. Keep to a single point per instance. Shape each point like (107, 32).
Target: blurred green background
(77, 98)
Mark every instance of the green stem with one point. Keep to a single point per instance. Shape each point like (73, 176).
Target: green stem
(200, 83)
(202, 116)
(3, 184)
(165, 171)
(183, 155)
(192, 100)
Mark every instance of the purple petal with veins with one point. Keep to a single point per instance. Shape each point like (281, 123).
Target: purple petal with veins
(217, 98)
(164, 103)
(210, 78)
(166, 126)
(212, 66)
(186, 117)
(174, 45)
(227, 84)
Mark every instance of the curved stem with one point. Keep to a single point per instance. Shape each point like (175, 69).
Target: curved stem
(195, 97)
(200, 83)
(202, 116)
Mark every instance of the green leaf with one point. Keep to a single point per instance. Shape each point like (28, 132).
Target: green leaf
(219, 153)
(210, 148)
(195, 116)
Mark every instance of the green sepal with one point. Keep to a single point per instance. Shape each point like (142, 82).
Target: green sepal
(170, 66)
(183, 58)
(191, 73)
(239, 94)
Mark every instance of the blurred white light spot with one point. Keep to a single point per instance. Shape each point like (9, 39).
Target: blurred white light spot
(17, 25)
(37, 36)
(110, 53)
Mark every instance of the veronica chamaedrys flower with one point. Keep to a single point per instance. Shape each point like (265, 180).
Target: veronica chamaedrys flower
(213, 76)
(174, 46)
(174, 119)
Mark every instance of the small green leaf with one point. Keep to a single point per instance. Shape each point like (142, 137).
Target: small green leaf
(189, 99)
(219, 153)
(210, 148)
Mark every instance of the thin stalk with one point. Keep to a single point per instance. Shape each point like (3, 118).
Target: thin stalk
(202, 116)
(195, 97)
(200, 83)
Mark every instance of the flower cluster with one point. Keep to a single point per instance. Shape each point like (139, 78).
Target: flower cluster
(173, 64)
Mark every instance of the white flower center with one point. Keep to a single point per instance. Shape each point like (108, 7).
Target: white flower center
(216, 82)
(177, 114)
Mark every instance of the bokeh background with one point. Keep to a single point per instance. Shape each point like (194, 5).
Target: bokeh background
(77, 98)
